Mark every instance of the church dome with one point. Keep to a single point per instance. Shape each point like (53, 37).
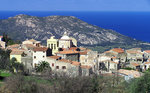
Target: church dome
(65, 36)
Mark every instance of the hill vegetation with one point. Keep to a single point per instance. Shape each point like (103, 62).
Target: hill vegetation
(22, 27)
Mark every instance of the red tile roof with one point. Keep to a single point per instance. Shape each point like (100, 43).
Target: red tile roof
(65, 60)
(69, 61)
(130, 72)
(147, 51)
(85, 67)
(16, 52)
(13, 46)
(133, 52)
(83, 53)
(73, 48)
(75, 63)
(118, 50)
(40, 49)
(135, 64)
(67, 52)
(1, 36)
(147, 63)
(29, 45)
(54, 57)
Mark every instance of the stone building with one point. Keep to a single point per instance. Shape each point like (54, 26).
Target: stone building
(146, 54)
(52, 43)
(33, 42)
(69, 55)
(135, 55)
(63, 66)
(86, 70)
(39, 54)
(65, 41)
(17, 54)
(89, 58)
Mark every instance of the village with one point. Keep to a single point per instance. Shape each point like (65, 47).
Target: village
(64, 56)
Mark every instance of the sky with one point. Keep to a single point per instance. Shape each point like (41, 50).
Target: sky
(74, 5)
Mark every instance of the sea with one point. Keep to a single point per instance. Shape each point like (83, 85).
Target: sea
(132, 24)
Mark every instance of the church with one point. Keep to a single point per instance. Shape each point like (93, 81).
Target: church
(63, 43)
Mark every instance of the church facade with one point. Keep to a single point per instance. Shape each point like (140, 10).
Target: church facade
(63, 43)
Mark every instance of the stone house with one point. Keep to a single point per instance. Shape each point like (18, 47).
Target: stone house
(119, 53)
(28, 62)
(18, 54)
(33, 42)
(65, 41)
(68, 67)
(134, 65)
(146, 55)
(89, 58)
(134, 55)
(39, 54)
(129, 74)
(86, 70)
(108, 64)
(69, 55)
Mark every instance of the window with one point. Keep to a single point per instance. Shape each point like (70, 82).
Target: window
(57, 67)
(63, 67)
(54, 46)
(34, 57)
(43, 51)
(34, 51)
(48, 45)
(52, 64)
(51, 46)
(35, 65)
(85, 60)
(43, 56)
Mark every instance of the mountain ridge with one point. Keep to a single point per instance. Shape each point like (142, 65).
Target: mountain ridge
(21, 27)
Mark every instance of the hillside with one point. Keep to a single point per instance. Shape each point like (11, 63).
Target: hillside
(22, 27)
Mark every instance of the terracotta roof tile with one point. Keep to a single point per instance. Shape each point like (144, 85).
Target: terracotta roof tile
(40, 49)
(130, 72)
(147, 63)
(85, 67)
(1, 36)
(73, 48)
(14, 46)
(29, 46)
(147, 51)
(65, 60)
(83, 53)
(135, 64)
(75, 63)
(16, 52)
(67, 52)
(133, 52)
(54, 57)
(118, 50)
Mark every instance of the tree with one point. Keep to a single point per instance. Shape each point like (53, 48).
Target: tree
(42, 66)
(140, 85)
(14, 65)
(4, 59)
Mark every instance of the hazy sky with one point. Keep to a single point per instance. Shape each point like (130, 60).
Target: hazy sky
(75, 5)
